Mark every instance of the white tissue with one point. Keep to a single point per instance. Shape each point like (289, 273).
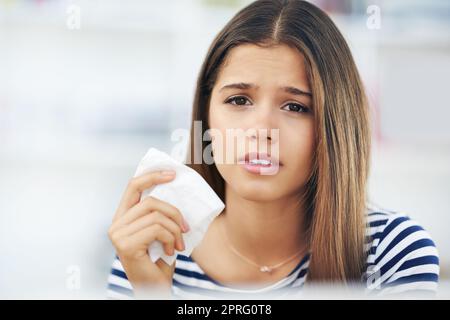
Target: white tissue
(188, 192)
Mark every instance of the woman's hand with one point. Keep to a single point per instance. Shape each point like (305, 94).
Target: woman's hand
(137, 224)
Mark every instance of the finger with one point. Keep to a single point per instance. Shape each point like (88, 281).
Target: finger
(151, 204)
(136, 185)
(155, 217)
(155, 232)
(168, 270)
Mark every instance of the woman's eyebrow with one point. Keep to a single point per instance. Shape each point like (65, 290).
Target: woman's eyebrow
(244, 86)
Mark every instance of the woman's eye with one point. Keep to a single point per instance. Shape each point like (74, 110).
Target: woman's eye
(242, 101)
(296, 108)
(238, 100)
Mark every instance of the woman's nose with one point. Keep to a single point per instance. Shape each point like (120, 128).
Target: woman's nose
(263, 125)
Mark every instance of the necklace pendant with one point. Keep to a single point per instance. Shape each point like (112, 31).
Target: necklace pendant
(265, 269)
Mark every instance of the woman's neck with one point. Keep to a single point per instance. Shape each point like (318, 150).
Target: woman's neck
(265, 232)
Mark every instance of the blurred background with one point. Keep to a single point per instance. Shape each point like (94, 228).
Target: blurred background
(87, 86)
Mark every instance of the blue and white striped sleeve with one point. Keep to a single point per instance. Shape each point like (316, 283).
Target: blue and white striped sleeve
(406, 259)
(119, 287)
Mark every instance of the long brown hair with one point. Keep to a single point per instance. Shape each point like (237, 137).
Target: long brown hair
(335, 197)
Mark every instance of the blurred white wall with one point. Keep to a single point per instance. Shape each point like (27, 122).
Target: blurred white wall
(80, 107)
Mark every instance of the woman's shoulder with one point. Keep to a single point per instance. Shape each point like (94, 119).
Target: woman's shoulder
(402, 256)
(383, 224)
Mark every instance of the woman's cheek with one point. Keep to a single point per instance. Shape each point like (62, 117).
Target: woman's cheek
(297, 148)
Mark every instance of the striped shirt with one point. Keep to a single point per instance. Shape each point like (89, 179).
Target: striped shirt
(401, 258)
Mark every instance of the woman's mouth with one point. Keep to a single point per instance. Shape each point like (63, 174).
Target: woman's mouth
(260, 163)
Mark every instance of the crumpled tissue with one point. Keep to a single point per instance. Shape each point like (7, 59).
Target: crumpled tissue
(188, 192)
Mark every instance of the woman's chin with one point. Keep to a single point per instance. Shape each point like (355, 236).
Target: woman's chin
(254, 191)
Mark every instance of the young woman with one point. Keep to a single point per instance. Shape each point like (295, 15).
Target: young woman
(277, 65)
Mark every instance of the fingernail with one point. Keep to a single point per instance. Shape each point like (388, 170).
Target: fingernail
(183, 247)
(186, 227)
(167, 173)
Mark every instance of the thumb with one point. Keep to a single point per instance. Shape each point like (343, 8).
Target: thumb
(168, 270)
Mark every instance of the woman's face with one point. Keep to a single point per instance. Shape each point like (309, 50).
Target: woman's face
(284, 115)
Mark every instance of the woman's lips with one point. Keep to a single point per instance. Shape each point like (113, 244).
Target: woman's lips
(260, 163)
(255, 156)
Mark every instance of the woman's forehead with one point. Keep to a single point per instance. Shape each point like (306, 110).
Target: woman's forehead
(279, 65)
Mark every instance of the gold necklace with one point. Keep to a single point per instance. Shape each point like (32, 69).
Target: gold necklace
(262, 268)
